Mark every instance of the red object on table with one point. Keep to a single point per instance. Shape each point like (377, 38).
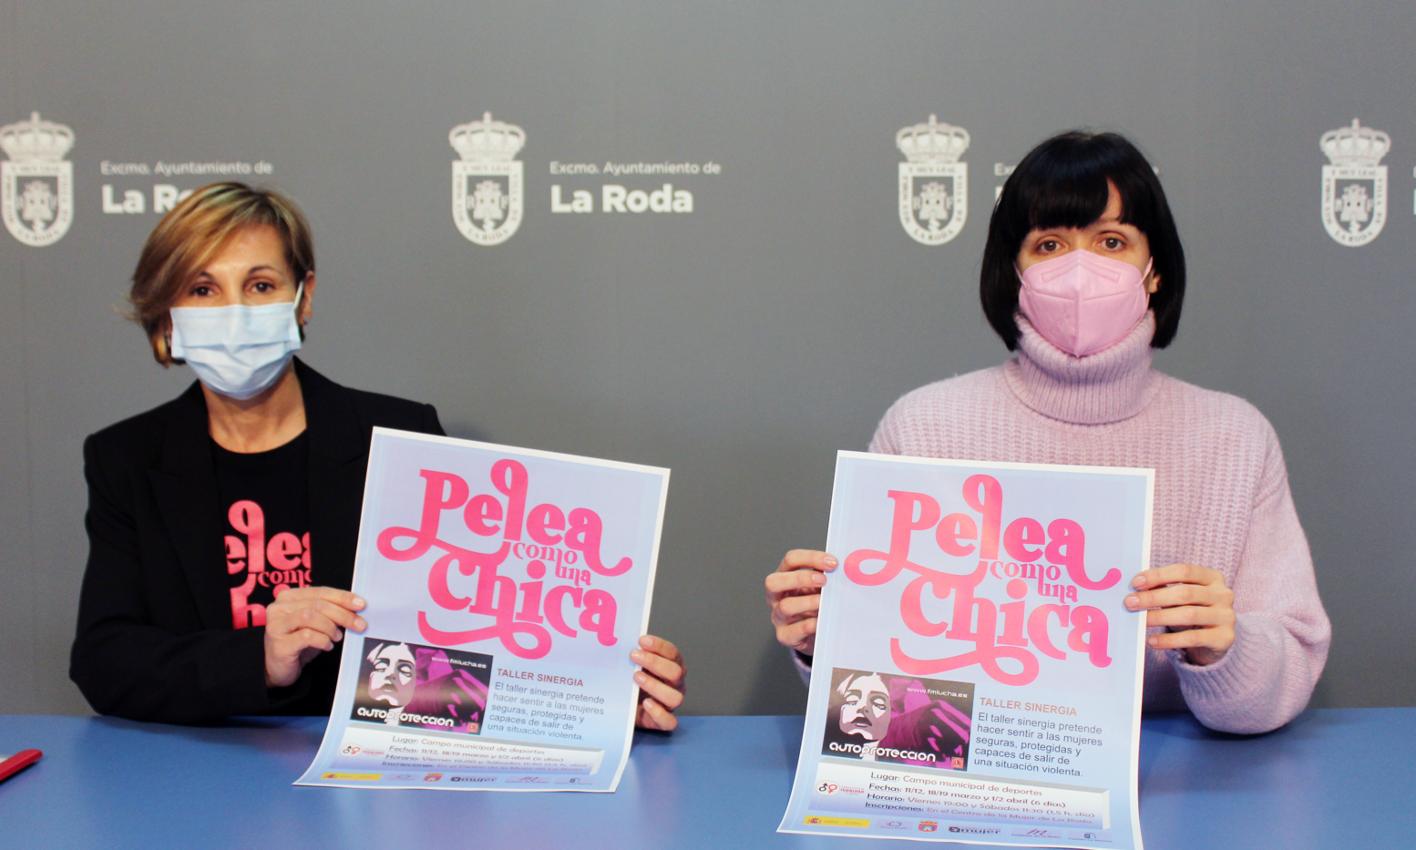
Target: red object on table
(12, 765)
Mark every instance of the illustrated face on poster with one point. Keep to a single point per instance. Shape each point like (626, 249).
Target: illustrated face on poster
(427, 687)
(390, 681)
(901, 719)
(865, 706)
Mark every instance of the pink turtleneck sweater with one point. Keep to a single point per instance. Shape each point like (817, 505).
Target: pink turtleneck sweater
(1221, 501)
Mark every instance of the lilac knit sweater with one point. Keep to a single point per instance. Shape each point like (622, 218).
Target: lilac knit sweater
(1221, 500)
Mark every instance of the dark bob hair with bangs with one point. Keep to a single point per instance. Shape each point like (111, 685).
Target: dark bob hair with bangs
(1063, 183)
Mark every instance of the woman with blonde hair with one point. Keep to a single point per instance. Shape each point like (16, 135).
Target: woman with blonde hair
(222, 524)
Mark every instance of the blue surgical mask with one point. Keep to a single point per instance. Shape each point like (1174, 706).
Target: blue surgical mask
(237, 351)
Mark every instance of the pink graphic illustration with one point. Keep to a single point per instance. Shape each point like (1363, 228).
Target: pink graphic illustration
(883, 717)
(404, 684)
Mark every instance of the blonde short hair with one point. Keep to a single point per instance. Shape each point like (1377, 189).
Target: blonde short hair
(195, 231)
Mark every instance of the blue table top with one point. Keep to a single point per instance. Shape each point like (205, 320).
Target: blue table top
(1331, 779)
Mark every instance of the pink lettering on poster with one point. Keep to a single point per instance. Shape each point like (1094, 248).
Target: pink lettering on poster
(560, 547)
(1043, 566)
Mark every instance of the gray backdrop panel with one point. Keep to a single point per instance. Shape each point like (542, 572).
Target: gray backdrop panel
(743, 343)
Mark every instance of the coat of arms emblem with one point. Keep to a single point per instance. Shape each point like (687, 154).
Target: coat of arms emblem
(36, 183)
(1354, 183)
(934, 185)
(486, 181)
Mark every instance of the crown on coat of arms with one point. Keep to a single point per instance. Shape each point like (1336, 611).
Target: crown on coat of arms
(487, 140)
(932, 142)
(36, 140)
(1355, 145)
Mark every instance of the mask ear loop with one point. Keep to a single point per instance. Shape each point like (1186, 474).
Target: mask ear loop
(1145, 273)
(299, 295)
(167, 337)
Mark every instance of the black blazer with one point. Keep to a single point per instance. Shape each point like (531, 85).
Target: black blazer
(154, 639)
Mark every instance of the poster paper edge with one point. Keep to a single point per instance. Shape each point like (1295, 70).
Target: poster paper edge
(662, 473)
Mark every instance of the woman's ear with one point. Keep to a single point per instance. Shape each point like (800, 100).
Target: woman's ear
(161, 340)
(306, 299)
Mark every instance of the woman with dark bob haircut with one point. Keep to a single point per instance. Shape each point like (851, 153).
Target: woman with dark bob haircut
(1083, 276)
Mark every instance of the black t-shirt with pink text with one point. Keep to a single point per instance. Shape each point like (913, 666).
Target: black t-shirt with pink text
(265, 497)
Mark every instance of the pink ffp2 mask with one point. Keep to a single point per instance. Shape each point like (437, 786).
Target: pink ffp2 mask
(1083, 302)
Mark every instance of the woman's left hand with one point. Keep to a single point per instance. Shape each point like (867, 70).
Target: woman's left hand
(1195, 606)
(660, 683)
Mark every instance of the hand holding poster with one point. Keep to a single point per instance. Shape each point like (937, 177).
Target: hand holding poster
(505, 589)
(976, 675)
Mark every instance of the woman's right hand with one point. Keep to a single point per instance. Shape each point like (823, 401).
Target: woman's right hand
(794, 595)
(301, 623)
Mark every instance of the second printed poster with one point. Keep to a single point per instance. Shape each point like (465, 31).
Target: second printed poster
(976, 676)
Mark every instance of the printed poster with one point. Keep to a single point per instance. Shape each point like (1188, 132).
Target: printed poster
(976, 675)
(506, 588)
